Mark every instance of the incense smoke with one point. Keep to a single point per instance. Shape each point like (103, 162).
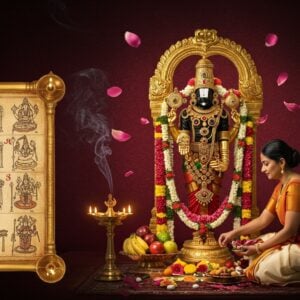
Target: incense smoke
(88, 97)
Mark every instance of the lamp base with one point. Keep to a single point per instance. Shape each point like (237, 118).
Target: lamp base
(109, 275)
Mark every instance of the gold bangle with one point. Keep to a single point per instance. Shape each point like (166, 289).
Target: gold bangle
(258, 250)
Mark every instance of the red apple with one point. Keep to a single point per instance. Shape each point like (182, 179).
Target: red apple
(143, 230)
(157, 247)
(149, 238)
(229, 264)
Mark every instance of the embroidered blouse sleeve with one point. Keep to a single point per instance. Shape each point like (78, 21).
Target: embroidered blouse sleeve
(271, 205)
(293, 197)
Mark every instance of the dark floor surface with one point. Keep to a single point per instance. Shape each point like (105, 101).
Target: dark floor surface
(78, 283)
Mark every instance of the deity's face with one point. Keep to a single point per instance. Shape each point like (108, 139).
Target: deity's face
(204, 97)
(270, 167)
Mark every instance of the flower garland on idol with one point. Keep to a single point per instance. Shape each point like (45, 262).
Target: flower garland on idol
(166, 198)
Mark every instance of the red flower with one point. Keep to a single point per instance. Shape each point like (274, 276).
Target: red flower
(202, 268)
(176, 205)
(169, 175)
(161, 220)
(249, 131)
(241, 143)
(203, 229)
(165, 145)
(158, 129)
(177, 269)
(217, 81)
(229, 206)
(160, 204)
(236, 176)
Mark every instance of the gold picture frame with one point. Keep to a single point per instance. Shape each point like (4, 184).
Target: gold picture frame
(27, 177)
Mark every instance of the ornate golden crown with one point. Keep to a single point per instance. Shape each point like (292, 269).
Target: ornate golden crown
(204, 74)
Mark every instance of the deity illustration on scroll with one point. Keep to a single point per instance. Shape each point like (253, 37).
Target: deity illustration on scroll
(25, 229)
(25, 113)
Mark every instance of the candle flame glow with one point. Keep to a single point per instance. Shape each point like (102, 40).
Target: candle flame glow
(90, 210)
(129, 209)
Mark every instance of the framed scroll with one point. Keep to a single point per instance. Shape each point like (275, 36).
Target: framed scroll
(27, 177)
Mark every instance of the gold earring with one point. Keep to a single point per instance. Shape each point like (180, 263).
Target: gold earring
(282, 171)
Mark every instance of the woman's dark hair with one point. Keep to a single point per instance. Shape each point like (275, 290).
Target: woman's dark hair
(276, 149)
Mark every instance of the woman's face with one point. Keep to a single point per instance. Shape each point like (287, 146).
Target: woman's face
(270, 167)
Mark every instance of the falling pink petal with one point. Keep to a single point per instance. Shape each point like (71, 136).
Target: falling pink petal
(128, 173)
(132, 39)
(114, 91)
(291, 106)
(144, 121)
(271, 39)
(120, 136)
(282, 78)
(262, 119)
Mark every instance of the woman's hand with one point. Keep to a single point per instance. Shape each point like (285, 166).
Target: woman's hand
(248, 250)
(226, 238)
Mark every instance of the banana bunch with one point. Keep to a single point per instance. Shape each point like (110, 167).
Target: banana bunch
(135, 245)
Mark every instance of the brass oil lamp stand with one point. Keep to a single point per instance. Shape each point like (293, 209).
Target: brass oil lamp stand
(110, 219)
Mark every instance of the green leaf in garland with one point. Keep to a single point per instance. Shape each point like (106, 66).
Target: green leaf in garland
(168, 195)
(244, 119)
(239, 192)
(163, 120)
(208, 226)
(237, 211)
(170, 213)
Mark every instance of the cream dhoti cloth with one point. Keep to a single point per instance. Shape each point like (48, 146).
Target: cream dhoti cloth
(279, 265)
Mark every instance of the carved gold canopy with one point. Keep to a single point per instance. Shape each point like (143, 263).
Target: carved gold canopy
(206, 43)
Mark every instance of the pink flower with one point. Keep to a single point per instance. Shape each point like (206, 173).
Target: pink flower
(114, 91)
(282, 78)
(120, 136)
(128, 173)
(291, 106)
(271, 40)
(144, 121)
(262, 119)
(132, 39)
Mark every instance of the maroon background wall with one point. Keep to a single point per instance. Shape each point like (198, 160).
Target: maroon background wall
(39, 36)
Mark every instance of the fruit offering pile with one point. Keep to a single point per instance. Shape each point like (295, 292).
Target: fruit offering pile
(204, 268)
(143, 241)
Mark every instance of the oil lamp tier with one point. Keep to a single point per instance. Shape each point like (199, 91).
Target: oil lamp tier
(110, 219)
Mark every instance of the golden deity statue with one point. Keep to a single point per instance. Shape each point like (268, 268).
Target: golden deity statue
(203, 136)
(203, 139)
(203, 130)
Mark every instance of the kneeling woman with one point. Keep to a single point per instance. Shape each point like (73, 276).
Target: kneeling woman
(275, 259)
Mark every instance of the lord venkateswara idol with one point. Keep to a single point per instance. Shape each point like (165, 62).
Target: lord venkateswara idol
(200, 121)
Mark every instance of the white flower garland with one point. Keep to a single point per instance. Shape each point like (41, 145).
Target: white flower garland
(238, 165)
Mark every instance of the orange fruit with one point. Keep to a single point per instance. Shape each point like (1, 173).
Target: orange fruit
(167, 271)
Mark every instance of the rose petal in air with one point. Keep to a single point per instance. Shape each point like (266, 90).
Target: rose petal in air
(282, 78)
(271, 39)
(132, 39)
(114, 91)
(144, 121)
(291, 106)
(120, 136)
(128, 173)
(262, 119)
